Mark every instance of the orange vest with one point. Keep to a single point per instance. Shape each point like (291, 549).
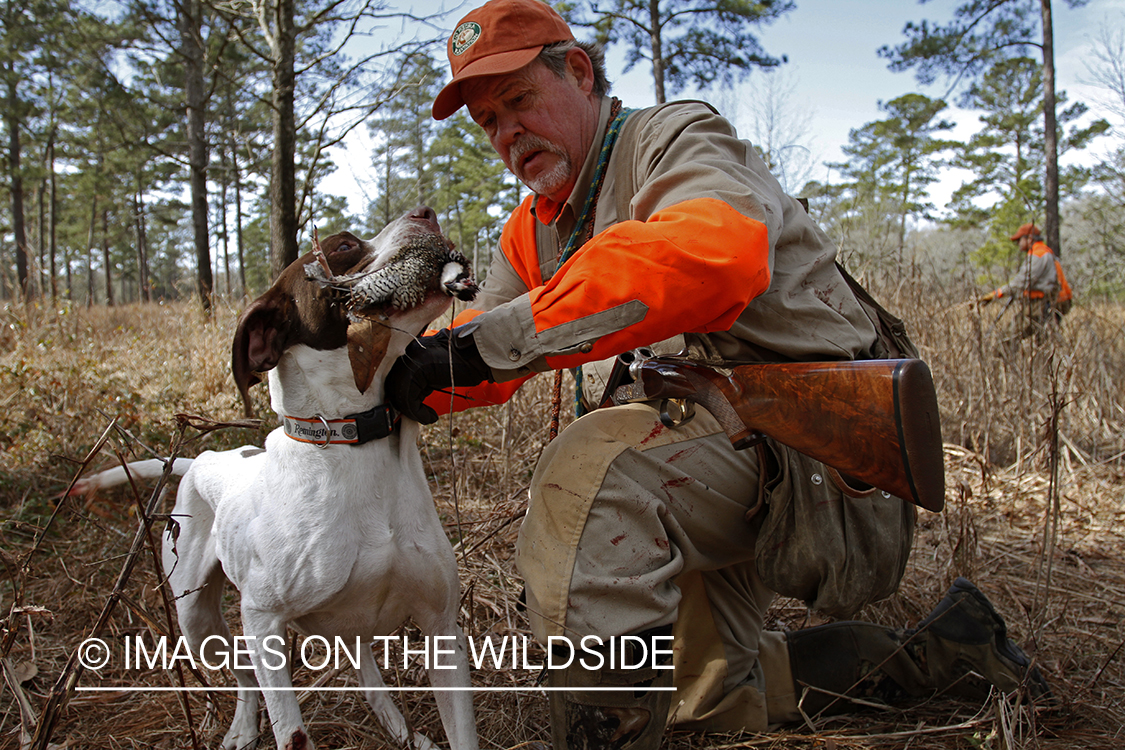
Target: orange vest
(685, 249)
(682, 250)
(1039, 249)
(1064, 288)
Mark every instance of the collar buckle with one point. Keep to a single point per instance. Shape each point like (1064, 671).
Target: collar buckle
(376, 423)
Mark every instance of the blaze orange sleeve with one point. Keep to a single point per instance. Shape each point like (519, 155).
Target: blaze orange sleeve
(485, 394)
(695, 265)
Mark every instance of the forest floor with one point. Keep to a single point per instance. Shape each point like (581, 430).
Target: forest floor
(1042, 535)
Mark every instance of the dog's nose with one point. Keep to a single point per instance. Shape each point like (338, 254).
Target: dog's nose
(426, 214)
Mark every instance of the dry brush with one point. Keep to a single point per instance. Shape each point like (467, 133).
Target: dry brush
(1035, 516)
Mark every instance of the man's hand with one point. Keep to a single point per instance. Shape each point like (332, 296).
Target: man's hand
(432, 363)
(984, 299)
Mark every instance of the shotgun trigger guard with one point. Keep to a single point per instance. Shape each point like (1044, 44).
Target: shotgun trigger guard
(749, 441)
(676, 411)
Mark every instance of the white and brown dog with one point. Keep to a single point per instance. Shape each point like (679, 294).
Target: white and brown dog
(331, 530)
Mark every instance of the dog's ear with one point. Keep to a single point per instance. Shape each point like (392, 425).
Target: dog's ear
(367, 345)
(259, 342)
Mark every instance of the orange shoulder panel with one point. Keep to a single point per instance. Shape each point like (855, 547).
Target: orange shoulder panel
(517, 241)
(682, 263)
(1064, 288)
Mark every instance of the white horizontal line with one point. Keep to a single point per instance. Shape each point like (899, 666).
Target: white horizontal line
(167, 689)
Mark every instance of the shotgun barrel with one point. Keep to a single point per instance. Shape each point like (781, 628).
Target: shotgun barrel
(875, 421)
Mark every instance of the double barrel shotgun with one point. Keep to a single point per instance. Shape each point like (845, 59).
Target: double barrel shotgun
(874, 421)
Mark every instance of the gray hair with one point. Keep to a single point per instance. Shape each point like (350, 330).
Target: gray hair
(554, 57)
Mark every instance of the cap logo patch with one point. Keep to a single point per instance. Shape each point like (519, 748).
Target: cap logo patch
(464, 36)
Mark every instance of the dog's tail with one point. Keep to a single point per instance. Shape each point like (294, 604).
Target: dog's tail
(150, 469)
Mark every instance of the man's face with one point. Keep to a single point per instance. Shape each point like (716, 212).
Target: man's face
(541, 125)
(1026, 243)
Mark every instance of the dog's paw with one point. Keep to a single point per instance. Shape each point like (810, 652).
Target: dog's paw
(299, 741)
(81, 488)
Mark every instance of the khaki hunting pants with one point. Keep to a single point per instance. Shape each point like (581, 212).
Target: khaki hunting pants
(633, 525)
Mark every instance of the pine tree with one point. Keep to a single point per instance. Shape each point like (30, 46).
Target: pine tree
(891, 164)
(686, 42)
(29, 32)
(1007, 155)
(981, 32)
(474, 192)
(405, 131)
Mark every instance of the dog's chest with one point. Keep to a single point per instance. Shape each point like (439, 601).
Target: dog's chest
(329, 539)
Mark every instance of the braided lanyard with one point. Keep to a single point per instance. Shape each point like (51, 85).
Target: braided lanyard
(586, 219)
(584, 228)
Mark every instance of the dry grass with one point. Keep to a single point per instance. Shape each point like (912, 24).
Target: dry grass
(1037, 525)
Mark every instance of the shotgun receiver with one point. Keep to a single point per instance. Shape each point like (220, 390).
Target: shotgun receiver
(875, 421)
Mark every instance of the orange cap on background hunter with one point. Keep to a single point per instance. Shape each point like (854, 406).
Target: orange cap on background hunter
(1025, 230)
(501, 36)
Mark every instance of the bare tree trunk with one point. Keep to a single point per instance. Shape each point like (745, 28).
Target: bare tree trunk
(657, 50)
(18, 231)
(223, 182)
(283, 180)
(191, 47)
(142, 242)
(40, 234)
(109, 299)
(5, 291)
(238, 223)
(1050, 132)
(53, 221)
(90, 250)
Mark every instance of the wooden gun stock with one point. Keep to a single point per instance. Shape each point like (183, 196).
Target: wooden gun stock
(875, 421)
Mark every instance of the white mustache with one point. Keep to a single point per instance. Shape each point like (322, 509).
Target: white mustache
(527, 144)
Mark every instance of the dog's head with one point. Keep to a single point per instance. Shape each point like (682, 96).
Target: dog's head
(355, 293)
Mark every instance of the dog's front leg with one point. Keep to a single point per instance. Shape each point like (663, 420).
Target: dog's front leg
(196, 578)
(450, 674)
(385, 710)
(265, 633)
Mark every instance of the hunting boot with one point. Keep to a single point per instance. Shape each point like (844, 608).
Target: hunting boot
(961, 648)
(632, 718)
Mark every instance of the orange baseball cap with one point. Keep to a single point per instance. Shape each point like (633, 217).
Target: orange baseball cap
(1025, 230)
(501, 36)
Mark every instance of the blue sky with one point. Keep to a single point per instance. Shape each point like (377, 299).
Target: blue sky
(836, 76)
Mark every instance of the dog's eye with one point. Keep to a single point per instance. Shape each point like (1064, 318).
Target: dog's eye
(334, 245)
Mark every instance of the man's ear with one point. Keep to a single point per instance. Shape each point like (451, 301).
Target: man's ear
(259, 342)
(579, 66)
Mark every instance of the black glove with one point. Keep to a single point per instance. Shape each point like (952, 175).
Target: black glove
(431, 364)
